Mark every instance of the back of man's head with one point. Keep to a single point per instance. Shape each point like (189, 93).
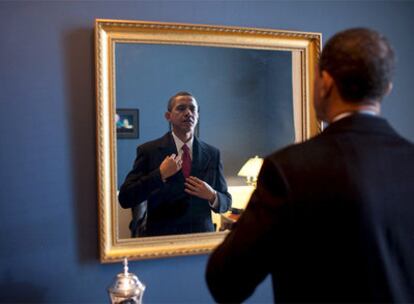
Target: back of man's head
(361, 61)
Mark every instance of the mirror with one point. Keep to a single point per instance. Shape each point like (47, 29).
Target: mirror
(253, 88)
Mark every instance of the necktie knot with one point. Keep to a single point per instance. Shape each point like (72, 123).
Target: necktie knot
(186, 166)
(185, 148)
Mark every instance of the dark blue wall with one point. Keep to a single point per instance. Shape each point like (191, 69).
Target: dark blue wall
(48, 211)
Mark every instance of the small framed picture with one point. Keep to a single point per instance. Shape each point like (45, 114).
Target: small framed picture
(127, 123)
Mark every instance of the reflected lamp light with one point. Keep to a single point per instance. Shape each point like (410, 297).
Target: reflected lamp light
(251, 170)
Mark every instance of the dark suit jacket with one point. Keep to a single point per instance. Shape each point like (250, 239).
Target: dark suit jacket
(332, 220)
(171, 210)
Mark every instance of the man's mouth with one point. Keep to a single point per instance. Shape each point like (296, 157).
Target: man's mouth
(188, 121)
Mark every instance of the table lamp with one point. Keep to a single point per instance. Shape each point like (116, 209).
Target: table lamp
(251, 170)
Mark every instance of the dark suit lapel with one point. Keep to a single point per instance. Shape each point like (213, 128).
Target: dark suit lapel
(167, 145)
(201, 158)
(166, 148)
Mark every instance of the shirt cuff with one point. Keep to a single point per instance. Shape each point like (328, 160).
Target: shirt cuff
(215, 204)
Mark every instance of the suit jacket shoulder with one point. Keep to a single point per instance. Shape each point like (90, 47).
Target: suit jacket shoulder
(163, 141)
(360, 131)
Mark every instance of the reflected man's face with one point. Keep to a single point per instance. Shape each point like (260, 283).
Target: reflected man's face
(183, 115)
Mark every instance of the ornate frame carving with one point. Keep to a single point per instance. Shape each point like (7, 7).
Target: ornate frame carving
(305, 48)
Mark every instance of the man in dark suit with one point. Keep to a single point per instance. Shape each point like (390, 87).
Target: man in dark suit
(332, 219)
(178, 176)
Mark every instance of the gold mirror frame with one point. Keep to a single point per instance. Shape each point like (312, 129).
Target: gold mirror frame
(305, 49)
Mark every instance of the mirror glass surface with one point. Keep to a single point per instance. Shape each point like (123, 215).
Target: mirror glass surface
(244, 96)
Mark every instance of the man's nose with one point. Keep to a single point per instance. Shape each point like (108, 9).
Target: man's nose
(188, 112)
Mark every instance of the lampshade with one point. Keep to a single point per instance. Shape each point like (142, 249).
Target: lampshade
(251, 169)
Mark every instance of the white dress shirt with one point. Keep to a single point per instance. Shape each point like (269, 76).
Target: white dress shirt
(179, 144)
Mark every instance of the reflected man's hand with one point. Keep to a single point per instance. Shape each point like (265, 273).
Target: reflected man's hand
(170, 165)
(199, 188)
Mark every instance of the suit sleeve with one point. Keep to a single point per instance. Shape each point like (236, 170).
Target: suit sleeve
(247, 254)
(223, 196)
(140, 182)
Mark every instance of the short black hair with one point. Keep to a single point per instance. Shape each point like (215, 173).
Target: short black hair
(361, 61)
(172, 98)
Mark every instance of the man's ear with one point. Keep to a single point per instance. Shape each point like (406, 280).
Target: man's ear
(167, 116)
(389, 89)
(327, 84)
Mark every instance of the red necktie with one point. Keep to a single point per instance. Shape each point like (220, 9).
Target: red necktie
(186, 161)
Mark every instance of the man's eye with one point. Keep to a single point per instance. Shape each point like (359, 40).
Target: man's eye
(193, 109)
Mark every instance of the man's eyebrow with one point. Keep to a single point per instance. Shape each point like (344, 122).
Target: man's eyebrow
(186, 105)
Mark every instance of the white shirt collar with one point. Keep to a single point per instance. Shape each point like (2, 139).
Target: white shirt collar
(340, 116)
(179, 144)
(346, 114)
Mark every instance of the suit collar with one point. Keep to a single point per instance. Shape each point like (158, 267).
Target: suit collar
(361, 123)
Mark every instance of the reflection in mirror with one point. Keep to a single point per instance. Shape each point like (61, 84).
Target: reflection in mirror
(253, 87)
(245, 100)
